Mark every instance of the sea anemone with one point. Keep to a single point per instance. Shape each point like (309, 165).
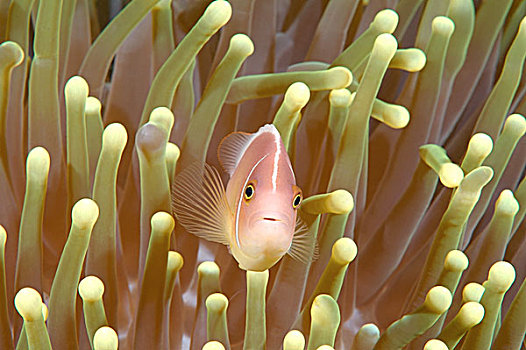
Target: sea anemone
(418, 212)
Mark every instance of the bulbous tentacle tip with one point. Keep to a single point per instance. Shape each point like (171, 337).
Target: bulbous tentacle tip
(242, 44)
(325, 347)
(93, 105)
(217, 14)
(451, 175)
(500, 277)
(208, 267)
(516, 124)
(472, 292)
(294, 340)
(340, 98)
(175, 261)
(76, 87)
(343, 72)
(443, 25)
(150, 139)
(38, 160)
(385, 46)
(91, 288)
(344, 250)
(28, 303)
(297, 95)
(216, 302)
(438, 299)
(213, 345)
(456, 260)
(471, 314)
(85, 213)
(386, 21)
(507, 204)
(163, 117)
(115, 136)
(435, 344)
(105, 338)
(340, 202)
(162, 221)
(11, 53)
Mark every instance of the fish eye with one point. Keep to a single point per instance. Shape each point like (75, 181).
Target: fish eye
(297, 201)
(249, 191)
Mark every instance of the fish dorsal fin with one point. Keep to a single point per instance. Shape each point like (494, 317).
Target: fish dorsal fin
(200, 205)
(304, 247)
(231, 149)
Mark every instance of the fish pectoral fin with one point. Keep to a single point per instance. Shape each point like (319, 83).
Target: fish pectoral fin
(304, 247)
(231, 149)
(199, 203)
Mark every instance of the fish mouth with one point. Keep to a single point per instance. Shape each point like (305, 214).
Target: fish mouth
(271, 219)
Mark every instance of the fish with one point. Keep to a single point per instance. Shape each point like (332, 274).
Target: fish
(256, 215)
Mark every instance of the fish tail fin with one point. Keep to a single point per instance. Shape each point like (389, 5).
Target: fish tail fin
(199, 203)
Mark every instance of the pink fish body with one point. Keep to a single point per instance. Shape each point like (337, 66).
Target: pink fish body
(256, 216)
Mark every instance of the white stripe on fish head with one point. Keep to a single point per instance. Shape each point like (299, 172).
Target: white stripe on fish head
(241, 199)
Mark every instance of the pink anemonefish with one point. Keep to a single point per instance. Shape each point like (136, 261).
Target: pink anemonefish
(256, 215)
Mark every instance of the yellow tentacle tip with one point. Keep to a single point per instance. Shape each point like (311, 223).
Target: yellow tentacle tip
(85, 213)
(501, 276)
(394, 116)
(294, 340)
(213, 345)
(516, 124)
(477, 178)
(480, 144)
(217, 14)
(242, 45)
(216, 302)
(385, 46)
(3, 236)
(344, 251)
(163, 117)
(471, 314)
(175, 261)
(93, 105)
(456, 260)
(76, 87)
(410, 60)
(438, 300)
(325, 347)
(342, 72)
(443, 25)
(297, 95)
(472, 292)
(115, 136)
(324, 309)
(11, 53)
(105, 338)
(507, 204)
(386, 21)
(37, 163)
(163, 222)
(340, 98)
(450, 175)
(208, 267)
(435, 344)
(28, 303)
(91, 288)
(340, 202)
